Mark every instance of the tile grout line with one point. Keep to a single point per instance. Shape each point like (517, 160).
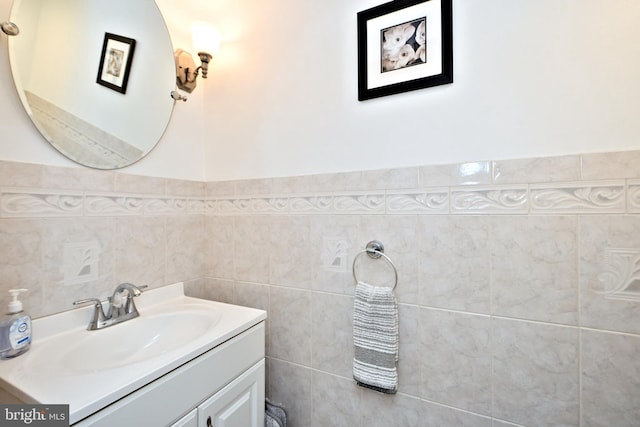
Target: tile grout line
(579, 312)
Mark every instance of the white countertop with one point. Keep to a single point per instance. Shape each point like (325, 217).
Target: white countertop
(43, 375)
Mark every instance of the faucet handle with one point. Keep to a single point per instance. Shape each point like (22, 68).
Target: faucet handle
(125, 306)
(117, 300)
(95, 301)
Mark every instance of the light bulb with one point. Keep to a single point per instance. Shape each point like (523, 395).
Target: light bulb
(206, 38)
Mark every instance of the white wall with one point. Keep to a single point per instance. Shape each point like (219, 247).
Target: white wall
(532, 78)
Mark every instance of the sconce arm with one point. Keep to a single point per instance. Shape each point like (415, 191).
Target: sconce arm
(186, 70)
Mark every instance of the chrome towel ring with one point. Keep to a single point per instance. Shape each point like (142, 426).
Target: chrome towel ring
(375, 250)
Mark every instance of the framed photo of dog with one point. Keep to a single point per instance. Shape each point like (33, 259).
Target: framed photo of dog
(115, 62)
(404, 45)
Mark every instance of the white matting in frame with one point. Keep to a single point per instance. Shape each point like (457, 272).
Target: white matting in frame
(433, 66)
(404, 45)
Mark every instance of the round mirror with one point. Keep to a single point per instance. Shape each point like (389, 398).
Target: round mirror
(94, 76)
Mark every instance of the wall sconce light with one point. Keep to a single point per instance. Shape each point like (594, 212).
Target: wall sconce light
(9, 28)
(206, 41)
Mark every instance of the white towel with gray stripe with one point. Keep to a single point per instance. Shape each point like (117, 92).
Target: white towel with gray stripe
(274, 415)
(375, 338)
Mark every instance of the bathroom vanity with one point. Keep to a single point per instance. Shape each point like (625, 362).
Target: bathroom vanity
(183, 362)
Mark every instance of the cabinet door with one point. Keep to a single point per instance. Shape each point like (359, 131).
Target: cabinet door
(239, 404)
(189, 420)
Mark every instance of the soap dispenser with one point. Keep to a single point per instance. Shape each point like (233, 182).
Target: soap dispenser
(15, 328)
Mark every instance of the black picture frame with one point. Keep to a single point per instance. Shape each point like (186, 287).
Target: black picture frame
(385, 66)
(115, 62)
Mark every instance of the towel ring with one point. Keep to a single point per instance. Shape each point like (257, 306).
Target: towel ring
(375, 250)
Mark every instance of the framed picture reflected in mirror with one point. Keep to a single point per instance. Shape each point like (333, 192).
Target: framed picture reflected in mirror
(115, 62)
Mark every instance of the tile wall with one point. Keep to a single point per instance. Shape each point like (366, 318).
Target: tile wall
(518, 280)
(519, 288)
(68, 234)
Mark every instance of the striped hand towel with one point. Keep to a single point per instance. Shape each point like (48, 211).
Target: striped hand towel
(375, 338)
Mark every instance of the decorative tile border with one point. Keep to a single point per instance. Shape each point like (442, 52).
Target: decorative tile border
(358, 203)
(44, 204)
(246, 205)
(489, 200)
(196, 206)
(168, 206)
(21, 203)
(579, 197)
(113, 205)
(319, 204)
(604, 196)
(117, 205)
(434, 201)
(363, 203)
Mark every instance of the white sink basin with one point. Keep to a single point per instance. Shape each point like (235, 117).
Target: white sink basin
(91, 369)
(133, 341)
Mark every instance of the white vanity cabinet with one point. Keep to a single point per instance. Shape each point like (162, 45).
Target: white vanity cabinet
(223, 387)
(189, 420)
(240, 404)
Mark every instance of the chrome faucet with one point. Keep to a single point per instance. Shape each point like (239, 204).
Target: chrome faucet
(121, 307)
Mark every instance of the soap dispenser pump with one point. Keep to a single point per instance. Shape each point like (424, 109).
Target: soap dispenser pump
(15, 328)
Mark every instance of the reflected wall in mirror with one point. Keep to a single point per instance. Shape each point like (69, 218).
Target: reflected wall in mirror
(55, 60)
